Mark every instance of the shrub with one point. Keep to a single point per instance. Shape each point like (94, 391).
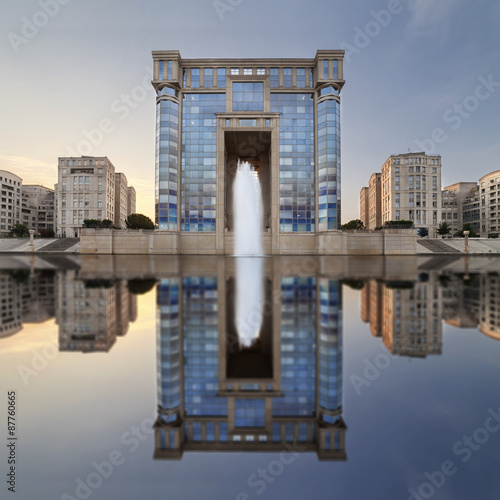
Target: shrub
(139, 221)
(47, 233)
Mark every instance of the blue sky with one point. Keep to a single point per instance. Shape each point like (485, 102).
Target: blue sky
(427, 78)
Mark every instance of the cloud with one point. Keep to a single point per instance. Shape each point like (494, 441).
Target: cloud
(431, 18)
(31, 171)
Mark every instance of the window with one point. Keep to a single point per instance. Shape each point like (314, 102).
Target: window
(248, 96)
(396, 170)
(160, 76)
(335, 70)
(325, 70)
(274, 77)
(247, 71)
(221, 77)
(208, 77)
(261, 71)
(301, 77)
(287, 77)
(195, 78)
(235, 71)
(170, 73)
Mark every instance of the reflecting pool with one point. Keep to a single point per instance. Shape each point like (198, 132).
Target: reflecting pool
(167, 377)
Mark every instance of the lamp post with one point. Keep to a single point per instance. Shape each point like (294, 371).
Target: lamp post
(466, 247)
(32, 243)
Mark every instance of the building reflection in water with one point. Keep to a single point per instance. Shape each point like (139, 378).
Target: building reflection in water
(92, 313)
(25, 298)
(217, 394)
(406, 315)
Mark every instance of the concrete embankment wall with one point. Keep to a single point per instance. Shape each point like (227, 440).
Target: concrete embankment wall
(110, 241)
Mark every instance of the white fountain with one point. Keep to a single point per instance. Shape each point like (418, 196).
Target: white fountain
(247, 206)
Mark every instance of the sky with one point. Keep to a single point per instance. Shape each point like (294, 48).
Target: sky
(421, 75)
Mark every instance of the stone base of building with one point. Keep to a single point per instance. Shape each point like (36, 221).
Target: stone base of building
(159, 242)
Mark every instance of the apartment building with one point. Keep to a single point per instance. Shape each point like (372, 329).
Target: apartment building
(10, 213)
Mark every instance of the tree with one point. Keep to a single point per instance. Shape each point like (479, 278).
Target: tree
(444, 228)
(466, 227)
(139, 221)
(353, 224)
(19, 231)
(423, 232)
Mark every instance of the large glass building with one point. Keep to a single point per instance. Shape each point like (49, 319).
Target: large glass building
(281, 115)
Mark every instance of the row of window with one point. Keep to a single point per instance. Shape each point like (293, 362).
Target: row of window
(396, 161)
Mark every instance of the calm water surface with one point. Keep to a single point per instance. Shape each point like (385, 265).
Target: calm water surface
(275, 378)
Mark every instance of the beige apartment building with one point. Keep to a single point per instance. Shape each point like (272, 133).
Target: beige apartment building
(131, 201)
(87, 189)
(363, 206)
(37, 207)
(454, 198)
(375, 201)
(489, 191)
(10, 186)
(411, 190)
(121, 200)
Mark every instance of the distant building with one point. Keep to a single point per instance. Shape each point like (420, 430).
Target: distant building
(121, 199)
(471, 210)
(363, 206)
(87, 189)
(489, 186)
(10, 213)
(409, 188)
(38, 208)
(454, 198)
(374, 201)
(131, 201)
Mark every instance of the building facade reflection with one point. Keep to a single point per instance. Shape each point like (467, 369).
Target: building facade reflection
(285, 389)
(92, 313)
(25, 298)
(406, 315)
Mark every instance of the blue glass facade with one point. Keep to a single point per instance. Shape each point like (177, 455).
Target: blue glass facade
(248, 96)
(169, 389)
(298, 348)
(297, 184)
(329, 164)
(199, 166)
(330, 347)
(201, 347)
(193, 173)
(166, 161)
